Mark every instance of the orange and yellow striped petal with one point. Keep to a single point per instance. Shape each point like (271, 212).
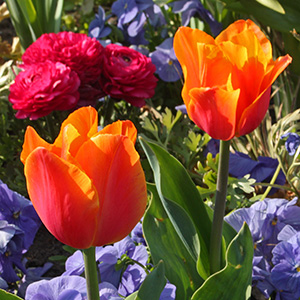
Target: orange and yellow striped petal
(121, 128)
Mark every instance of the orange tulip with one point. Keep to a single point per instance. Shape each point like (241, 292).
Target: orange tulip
(228, 79)
(88, 187)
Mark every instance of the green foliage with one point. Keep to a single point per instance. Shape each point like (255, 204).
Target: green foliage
(175, 186)
(237, 273)
(32, 18)
(165, 244)
(8, 296)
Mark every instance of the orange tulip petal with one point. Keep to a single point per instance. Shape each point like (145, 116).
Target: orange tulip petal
(186, 49)
(238, 31)
(64, 198)
(274, 71)
(121, 128)
(119, 178)
(254, 114)
(31, 141)
(84, 119)
(213, 110)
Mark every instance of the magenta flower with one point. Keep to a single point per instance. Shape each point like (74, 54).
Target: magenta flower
(42, 88)
(127, 74)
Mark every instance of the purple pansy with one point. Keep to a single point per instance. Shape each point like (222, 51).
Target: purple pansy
(18, 210)
(11, 242)
(125, 10)
(167, 65)
(97, 28)
(292, 142)
(108, 292)
(285, 274)
(58, 288)
(262, 170)
(137, 234)
(115, 265)
(188, 9)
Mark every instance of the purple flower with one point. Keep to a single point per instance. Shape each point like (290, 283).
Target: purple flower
(58, 288)
(137, 234)
(285, 274)
(116, 265)
(212, 147)
(167, 65)
(292, 142)
(125, 10)
(270, 221)
(16, 209)
(32, 275)
(108, 292)
(169, 292)
(182, 108)
(97, 28)
(262, 170)
(11, 240)
(190, 8)
(155, 16)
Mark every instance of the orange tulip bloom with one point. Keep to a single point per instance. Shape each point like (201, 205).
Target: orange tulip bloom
(228, 79)
(88, 187)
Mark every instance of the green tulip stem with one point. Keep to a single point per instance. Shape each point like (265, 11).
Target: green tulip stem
(91, 274)
(219, 211)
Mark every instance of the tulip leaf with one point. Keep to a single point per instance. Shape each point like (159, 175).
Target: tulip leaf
(166, 245)
(132, 296)
(174, 184)
(237, 273)
(153, 284)
(8, 296)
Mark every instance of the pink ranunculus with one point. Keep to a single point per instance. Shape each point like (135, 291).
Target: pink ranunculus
(42, 88)
(76, 50)
(127, 74)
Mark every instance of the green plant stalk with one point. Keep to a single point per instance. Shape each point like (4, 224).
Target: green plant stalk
(219, 211)
(91, 274)
(268, 189)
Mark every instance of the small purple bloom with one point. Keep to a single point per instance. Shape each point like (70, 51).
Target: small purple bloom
(137, 234)
(190, 8)
(108, 292)
(182, 108)
(167, 65)
(58, 288)
(262, 170)
(11, 240)
(155, 16)
(169, 292)
(285, 274)
(212, 147)
(125, 10)
(18, 210)
(136, 26)
(97, 28)
(292, 142)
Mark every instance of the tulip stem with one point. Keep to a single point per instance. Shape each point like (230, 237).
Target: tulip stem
(219, 211)
(91, 274)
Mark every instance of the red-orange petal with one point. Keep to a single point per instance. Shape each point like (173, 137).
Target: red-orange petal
(119, 178)
(64, 198)
(121, 128)
(31, 141)
(84, 120)
(186, 50)
(214, 111)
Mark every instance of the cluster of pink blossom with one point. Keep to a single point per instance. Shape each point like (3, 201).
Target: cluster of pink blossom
(67, 70)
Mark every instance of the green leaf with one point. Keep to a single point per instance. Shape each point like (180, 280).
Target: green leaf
(237, 273)
(166, 245)
(8, 296)
(153, 284)
(132, 296)
(173, 183)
